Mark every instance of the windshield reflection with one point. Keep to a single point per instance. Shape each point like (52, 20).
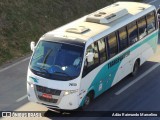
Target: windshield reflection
(57, 61)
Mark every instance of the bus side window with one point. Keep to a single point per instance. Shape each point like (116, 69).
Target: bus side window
(132, 33)
(89, 66)
(102, 50)
(151, 22)
(123, 38)
(142, 26)
(113, 45)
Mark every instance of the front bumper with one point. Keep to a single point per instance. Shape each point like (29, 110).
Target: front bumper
(60, 101)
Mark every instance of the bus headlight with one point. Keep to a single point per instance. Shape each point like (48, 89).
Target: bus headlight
(30, 84)
(68, 92)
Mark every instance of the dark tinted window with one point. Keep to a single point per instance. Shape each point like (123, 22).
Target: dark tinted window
(102, 50)
(151, 24)
(113, 46)
(123, 38)
(88, 66)
(132, 33)
(142, 26)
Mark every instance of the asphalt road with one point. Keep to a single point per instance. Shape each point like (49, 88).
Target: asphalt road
(139, 93)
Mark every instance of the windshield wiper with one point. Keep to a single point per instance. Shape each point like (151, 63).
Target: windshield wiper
(41, 68)
(47, 55)
(63, 73)
(44, 61)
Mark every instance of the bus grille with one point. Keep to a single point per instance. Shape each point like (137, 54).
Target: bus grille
(48, 90)
(41, 90)
(48, 100)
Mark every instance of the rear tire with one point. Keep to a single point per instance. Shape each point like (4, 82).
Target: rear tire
(135, 68)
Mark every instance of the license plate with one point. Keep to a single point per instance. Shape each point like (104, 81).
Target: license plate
(47, 96)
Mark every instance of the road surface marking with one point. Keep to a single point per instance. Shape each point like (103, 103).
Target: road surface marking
(137, 79)
(6, 68)
(152, 1)
(21, 98)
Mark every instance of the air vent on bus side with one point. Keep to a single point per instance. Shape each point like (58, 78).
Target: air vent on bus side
(107, 15)
(78, 30)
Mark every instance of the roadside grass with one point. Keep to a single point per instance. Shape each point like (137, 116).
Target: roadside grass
(23, 21)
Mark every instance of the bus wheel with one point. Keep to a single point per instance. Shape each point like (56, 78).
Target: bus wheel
(88, 99)
(135, 68)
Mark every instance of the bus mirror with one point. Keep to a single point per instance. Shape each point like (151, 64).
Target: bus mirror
(90, 56)
(32, 45)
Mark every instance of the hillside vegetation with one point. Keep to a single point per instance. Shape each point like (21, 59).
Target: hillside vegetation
(22, 21)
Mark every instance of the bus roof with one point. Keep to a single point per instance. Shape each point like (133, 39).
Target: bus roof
(102, 22)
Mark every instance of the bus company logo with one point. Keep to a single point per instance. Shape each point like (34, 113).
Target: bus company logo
(34, 79)
(119, 59)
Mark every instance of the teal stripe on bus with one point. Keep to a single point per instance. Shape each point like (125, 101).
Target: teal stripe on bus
(104, 75)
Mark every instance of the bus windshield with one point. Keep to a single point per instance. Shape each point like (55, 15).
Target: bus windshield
(57, 61)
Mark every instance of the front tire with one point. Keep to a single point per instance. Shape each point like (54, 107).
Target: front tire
(88, 99)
